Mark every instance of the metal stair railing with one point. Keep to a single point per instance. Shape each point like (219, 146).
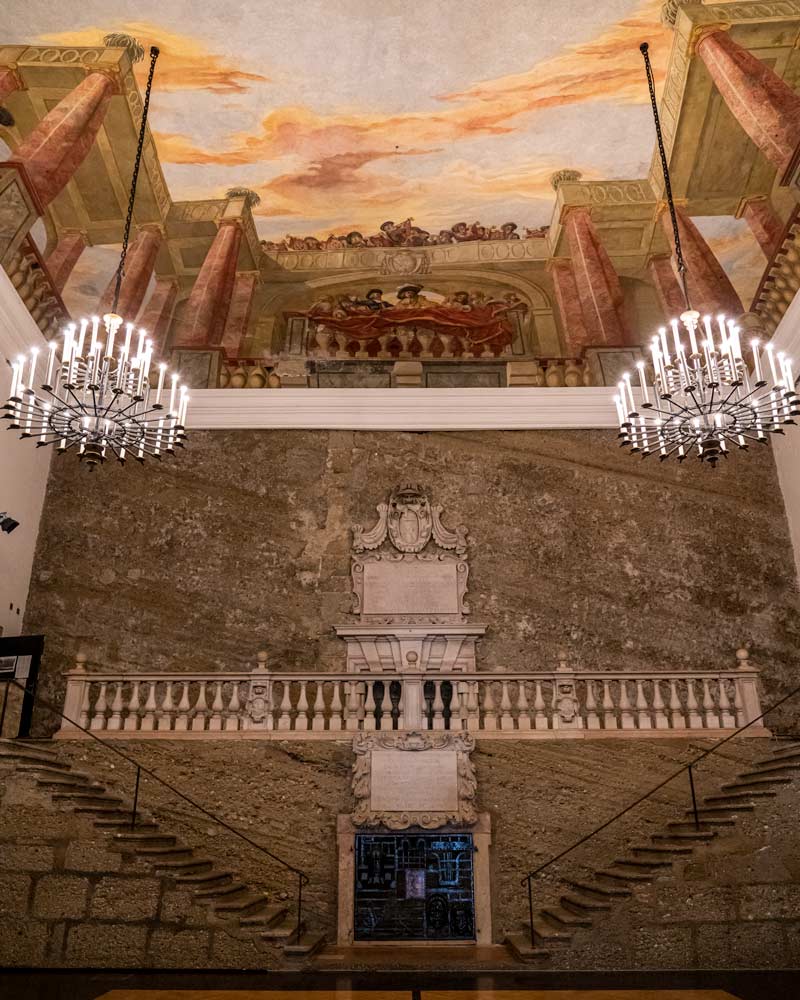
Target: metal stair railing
(302, 878)
(688, 768)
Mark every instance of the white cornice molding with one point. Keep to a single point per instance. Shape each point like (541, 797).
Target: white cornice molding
(402, 409)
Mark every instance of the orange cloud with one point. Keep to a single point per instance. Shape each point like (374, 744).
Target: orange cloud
(184, 63)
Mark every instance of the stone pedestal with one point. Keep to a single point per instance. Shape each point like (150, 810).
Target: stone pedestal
(199, 367)
(608, 364)
(407, 375)
(292, 373)
(524, 373)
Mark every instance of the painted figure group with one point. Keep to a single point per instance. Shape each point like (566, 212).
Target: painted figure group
(411, 297)
(405, 234)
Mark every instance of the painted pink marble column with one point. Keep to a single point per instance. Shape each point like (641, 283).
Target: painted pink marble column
(576, 336)
(668, 288)
(158, 313)
(597, 283)
(766, 107)
(9, 82)
(203, 319)
(239, 314)
(710, 288)
(58, 145)
(64, 257)
(139, 265)
(764, 224)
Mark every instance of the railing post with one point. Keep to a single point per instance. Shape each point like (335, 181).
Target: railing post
(530, 912)
(694, 799)
(748, 686)
(77, 681)
(258, 701)
(135, 798)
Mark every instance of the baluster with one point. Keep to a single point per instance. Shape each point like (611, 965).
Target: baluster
(401, 719)
(695, 718)
(167, 708)
(198, 723)
(83, 717)
(100, 708)
(473, 707)
(523, 710)
(709, 708)
(662, 720)
(318, 711)
(642, 711)
(351, 710)
(627, 718)
(234, 710)
(131, 722)
(438, 706)
(506, 718)
(301, 720)
(675, 708)
(369, 706)
(592, 718)
(115, 720)
(148, 723)
(489, 711)
(609, 713)
(215, 722)
(727, 717)
(337, 709)
(184, 708)
(285, 709)
(539, 708)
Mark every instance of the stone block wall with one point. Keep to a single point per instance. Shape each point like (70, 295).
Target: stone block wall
(242, 544)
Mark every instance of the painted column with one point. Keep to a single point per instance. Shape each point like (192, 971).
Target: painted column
(64, 257)
(764, 223)
(767, 108)
(576, 336)
(58, 145)
(9, 82)
(239, 314)
(597, 283)
(668, 288)
(139, 265)
(158, 313)
(710, 288)
(203, 319)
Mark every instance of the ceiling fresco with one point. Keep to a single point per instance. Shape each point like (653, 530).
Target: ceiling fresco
(344, 115)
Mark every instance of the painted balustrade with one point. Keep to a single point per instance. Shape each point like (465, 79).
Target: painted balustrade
(781, 279)
(30, 277)
(531, 705)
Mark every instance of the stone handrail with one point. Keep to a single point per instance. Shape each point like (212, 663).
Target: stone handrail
(29, 275)
(781, 279)
(560, 703)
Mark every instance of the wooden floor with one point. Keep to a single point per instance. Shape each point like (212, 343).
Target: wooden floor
(479, 994)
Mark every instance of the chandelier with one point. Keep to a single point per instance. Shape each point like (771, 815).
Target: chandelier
(705, 399)
(96, 389)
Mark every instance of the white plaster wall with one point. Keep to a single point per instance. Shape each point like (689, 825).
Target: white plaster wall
(787, 448)
(23, 468)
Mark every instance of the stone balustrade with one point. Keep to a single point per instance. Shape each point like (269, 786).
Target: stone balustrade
(30, 277)
(533, 705)
(781, 279)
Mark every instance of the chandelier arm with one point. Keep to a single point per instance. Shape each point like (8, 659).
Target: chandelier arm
(154, 52)
(681, 266)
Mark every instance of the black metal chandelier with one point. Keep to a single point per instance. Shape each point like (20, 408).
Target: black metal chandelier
(705, 399)
(95, 391)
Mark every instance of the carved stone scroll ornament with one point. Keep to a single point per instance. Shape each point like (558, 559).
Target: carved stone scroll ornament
(366, 746)
(409, 521)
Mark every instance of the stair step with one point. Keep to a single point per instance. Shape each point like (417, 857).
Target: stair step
(168, 852)
(181, 865)
(27, 762)
(643, 863)
(773, 767)
(281, 932)
(679, 836)
(520, 947)
(69, 782)
(600, 889)
(624, 875)
(709, 821)
(307, 945)
(788, 749)
(271, 914)
(87, 798)
(741, 784)
(564, 918)
(109, 811)
(35, 746)
(660, 850)
(209, 878)
(123, 823)
(243, 905)
(229, 889)
(582, 902)
(736, 798)
(722, 811)
(146, 838)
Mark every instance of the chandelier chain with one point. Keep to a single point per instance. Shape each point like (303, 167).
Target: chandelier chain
(154, 53)
(680, 263)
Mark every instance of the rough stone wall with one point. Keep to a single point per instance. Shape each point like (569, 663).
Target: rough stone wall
(242, 544)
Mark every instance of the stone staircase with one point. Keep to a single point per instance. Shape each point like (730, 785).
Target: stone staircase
(584, 901)
(227, 897)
